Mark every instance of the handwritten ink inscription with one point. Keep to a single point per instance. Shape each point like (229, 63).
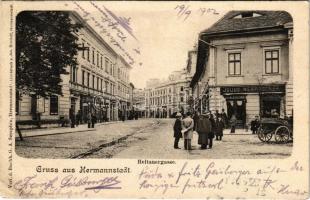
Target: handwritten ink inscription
(185, 11)
(69, 186)
(213, 177)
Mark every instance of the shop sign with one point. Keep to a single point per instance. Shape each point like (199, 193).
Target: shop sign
(235, 97)
(253, 89)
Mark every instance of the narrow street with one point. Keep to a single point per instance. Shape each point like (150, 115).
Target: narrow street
(144, 138)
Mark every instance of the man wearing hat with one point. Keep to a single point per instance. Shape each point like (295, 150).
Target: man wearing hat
(177, 128)
(203, 129)
(188, 125)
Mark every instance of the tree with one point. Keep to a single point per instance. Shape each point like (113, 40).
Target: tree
(46, 45)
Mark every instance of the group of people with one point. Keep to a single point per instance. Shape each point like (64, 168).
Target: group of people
(207, 125)
(76, 119)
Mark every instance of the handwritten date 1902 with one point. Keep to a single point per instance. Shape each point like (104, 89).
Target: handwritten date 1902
(184, 11)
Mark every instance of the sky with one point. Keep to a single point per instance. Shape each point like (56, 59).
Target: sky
(163, 32)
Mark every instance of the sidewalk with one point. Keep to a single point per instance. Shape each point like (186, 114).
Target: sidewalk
(60, 130)
(237, 132)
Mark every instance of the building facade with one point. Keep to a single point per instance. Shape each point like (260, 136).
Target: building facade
(100, 72)
(164, 98)
(244, 65)
(139, 102)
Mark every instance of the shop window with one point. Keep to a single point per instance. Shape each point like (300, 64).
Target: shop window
(54, 105)
(270, 106)
(234, 64)
(272, 61)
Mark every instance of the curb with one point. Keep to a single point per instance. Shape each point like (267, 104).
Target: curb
(25, 136)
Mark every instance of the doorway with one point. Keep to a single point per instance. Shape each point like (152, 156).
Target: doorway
(237, 107)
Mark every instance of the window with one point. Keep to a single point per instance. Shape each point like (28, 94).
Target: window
(106, 64)
(101, 62)
(272, 61)
(234, 64)
(88, 53)
(106, 86)
(101, 85)
(181, 88)
(88, 79)
(97, 83)
(93, 81)
(182, 99)
(83, 50)
(83, 77)
(93, 56)
(54, 105)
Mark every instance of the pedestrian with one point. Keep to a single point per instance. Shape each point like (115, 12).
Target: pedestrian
(224, 118)
(93, 120)
(72, 117)
(217, 114)
(255, 125)
(177, 129)
(78, 118)
(89, 118)
(187, 130)
(213, 129)
(196, 118)
(219, 124)
(233, 122)
(203, 129)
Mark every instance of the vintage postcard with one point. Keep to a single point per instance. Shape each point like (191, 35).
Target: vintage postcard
(115, 99)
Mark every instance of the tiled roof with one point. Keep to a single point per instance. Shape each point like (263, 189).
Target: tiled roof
(264, 19)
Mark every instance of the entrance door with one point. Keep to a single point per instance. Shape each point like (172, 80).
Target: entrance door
(237, 107)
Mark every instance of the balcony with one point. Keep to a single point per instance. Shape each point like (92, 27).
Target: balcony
(84, 89)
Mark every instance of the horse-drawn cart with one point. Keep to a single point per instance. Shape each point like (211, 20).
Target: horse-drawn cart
(280, 128)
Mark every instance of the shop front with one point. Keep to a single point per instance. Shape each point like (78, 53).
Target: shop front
(245, 102)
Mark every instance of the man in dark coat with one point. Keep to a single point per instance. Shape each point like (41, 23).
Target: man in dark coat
(213, 129)
(224, 118)
(177, 128)
(255, 125)
(93, 120)
(219, 124)
(72, 117)
(196, 118)
(203, 128)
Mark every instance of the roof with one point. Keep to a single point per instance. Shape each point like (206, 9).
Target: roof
(231, 22)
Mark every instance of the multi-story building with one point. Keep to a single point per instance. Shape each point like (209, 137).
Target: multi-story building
(100, 72)
(165, 98)
(244, 65)
(139, 102)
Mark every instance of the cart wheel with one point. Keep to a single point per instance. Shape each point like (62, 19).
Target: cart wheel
(264, 135)
(282, 134)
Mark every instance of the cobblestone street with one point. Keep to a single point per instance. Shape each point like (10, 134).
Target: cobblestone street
(144, 138)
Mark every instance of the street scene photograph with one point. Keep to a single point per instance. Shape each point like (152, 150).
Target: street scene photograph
(176, 82)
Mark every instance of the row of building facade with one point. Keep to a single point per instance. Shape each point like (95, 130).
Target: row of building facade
(243, 64)
(100, 72)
